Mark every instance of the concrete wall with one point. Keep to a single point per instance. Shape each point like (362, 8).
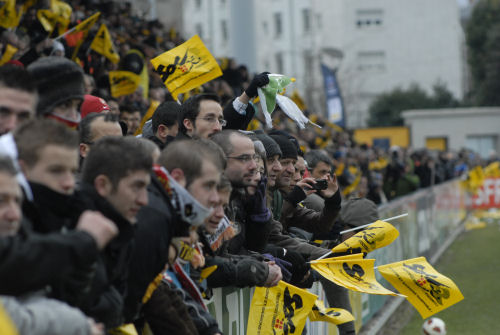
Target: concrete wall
(454, 124)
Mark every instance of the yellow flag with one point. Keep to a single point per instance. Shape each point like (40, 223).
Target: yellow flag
(187, 66)
(103, 44)
(80, 32)
(63, 12)
(47, 18)
(123, 82)
(7, 327)
(357, 275)
(492, 170)
(375, 236)
(298, 100)
(147, 116)
(126, 329)
(206, 272)
(339, 258)
(336, 316)
(10, 51)
(426, 289)
(282, 309)
(9, 16)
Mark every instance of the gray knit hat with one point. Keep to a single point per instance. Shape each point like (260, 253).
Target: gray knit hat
(356, 212)
(272, 148)
(58, 79)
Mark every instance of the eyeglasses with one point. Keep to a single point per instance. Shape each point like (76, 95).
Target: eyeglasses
(246, 158)
(213, 119)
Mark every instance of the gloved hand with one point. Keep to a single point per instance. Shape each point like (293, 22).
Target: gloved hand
(299, 269)
(284, 265)
(257, 205)
(258, 81)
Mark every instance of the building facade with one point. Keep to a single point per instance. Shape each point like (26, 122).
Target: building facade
(376, 45)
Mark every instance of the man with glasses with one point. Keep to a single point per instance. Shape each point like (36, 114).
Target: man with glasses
(200, 117)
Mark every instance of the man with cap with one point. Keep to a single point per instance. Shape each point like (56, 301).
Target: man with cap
(60, 88)
(93, 104)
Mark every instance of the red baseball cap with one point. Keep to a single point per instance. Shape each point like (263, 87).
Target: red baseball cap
(93, 104)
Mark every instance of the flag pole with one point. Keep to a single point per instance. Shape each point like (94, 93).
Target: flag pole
(65, 33)
(366, 225)
(360, 227)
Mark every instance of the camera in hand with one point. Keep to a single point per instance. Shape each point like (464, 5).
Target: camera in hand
(321, 184)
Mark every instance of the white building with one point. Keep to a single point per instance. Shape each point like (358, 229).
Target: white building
(377, 45)
(475, 128)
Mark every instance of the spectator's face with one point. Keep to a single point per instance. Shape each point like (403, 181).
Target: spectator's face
(300, 169)
(98, 129)
(241, 166)
(212, 222)
(273, 170)
(257, 176)
(129, 195)
(204, 188)
(133, 120)
(10, 205)
(321, 171)
(285, 177)
(208, 121)
(68, 110)
(15, 106)
(114, 107)
(56, 168)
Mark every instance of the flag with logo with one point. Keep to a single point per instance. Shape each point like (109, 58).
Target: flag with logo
(9, 16)
(375, 236)
(354, 274)
(63, 13)
(282, 309)
(123, 82)
(492, 170)
(77, 35)
(103, 44)
(10, 51)
(336, 316)
(425, 288)
(186, 66)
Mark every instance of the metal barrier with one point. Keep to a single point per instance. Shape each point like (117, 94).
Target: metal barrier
(434, 214)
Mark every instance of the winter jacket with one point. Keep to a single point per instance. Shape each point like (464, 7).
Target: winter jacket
(253, 236)
(103, 300)
(294, 214)
(30, 261)
(37, 315)
(156, 225)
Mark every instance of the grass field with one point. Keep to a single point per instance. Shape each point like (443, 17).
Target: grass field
(473, 263)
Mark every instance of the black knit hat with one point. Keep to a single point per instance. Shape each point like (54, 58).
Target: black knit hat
(288, 149)
(356, 212)
(272, 148)
(58, 79)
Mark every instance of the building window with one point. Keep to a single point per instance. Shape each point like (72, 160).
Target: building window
(199, 30)
(371, 60)
(484, 145)
(223, 26)
(369, 18)
(278, 24)
(279, 62)
(306, 19)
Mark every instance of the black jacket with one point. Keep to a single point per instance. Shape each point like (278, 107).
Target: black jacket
(103, 300)
(253, 236)
(31, 261)
(156, 225)
(236, 120)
